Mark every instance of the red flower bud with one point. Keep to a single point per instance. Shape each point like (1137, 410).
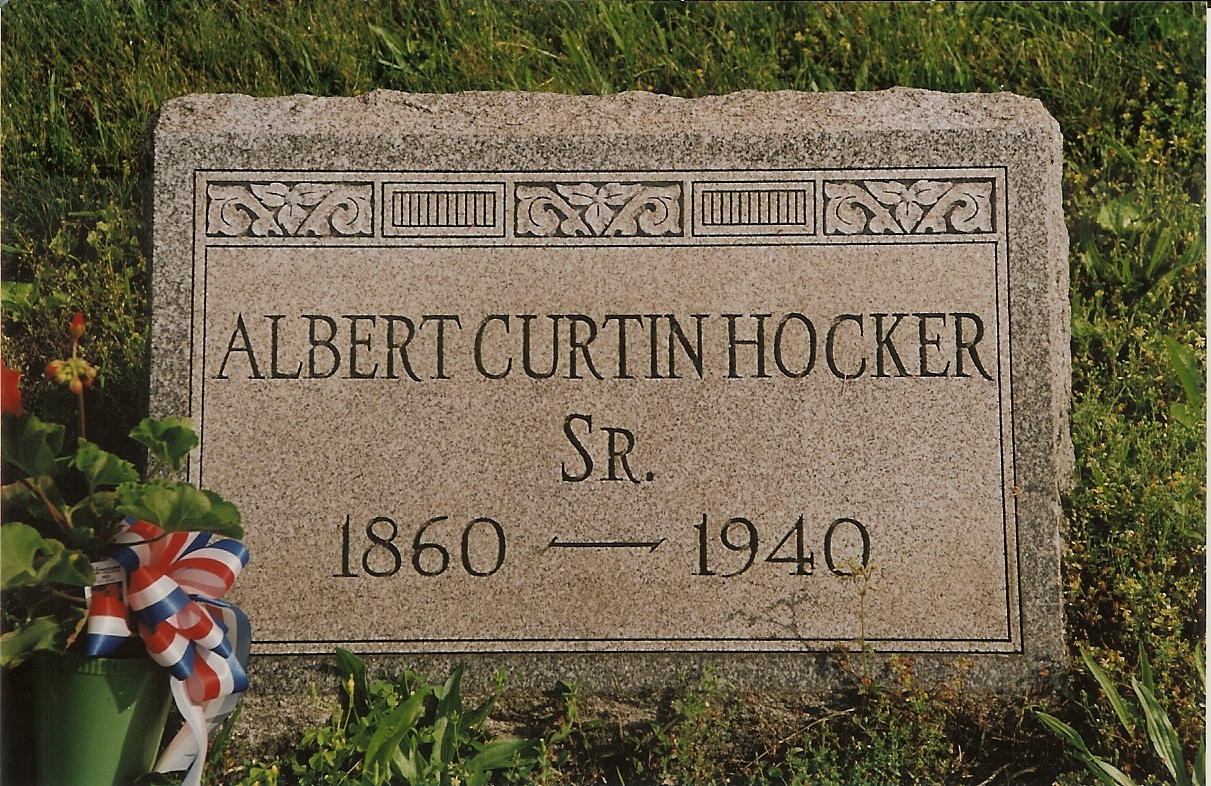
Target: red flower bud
(10, 390)
(76, 385)
(52, 370)
(77, 325)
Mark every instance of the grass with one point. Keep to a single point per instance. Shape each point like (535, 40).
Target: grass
(1126, 83)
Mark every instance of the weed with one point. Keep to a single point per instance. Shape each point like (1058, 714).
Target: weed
(692, 746)
(861, 576)
(1148, 714)
(898, 731)
(578, 749)
(403, 730)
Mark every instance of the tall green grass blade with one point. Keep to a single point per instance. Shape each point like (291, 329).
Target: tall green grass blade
(1160, 731)
(1146, 678)
(1106, 773)
(1108, 687)
(394, 46)
(1066, 732)
(1105, 770)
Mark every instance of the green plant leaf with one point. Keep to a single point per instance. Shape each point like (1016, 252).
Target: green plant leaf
(392, 730)
(501, 753)
(19, 546)
(169, 439)
(475, 717)
(18, 299)
(449, 696)
(1160, 731)
(1186, 366)
(444, 738)
(176, 506)
(352, 667)
(446, 727)
(1183, 414)
(41, 634)
(1119, 216)
(20, 501)
(95, 513)
(27, 560)
(1116, 699)
(410, 751)
(33, 446)
(101, 468)
(407, 764)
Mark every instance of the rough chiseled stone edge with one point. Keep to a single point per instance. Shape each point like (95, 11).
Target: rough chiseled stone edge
(893, 129)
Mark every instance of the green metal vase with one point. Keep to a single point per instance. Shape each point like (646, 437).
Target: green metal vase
(98, 720)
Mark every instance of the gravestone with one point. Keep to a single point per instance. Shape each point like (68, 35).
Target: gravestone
(607, 388)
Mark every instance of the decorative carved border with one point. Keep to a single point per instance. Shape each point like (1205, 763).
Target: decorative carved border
(609, 209)
(595, 208)
(280, 209)
(905, 206)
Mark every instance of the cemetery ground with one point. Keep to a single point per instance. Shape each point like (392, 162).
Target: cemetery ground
(1127, 85)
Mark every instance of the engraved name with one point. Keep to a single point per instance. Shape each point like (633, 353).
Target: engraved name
(424, 347)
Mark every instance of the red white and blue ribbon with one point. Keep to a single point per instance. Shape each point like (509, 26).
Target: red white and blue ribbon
(201, 721)
(173, 586)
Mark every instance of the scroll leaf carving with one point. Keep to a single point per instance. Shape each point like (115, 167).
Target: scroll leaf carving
(543, 213)
(299, 210)
(875, 207)
(844, 213)
(234, 211)
(969, 206)
(592, 210)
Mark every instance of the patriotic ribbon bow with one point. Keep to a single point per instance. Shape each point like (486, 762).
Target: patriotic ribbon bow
(174, 583)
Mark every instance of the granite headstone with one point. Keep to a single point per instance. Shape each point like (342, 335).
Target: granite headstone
(602, 387)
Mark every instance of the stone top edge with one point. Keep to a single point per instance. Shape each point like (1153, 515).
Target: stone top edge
(530, 114)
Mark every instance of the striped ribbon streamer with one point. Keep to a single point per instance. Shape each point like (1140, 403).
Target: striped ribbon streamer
(166, 577)
(188, 749)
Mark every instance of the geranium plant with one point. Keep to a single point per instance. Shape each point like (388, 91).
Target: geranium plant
(65, 498)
